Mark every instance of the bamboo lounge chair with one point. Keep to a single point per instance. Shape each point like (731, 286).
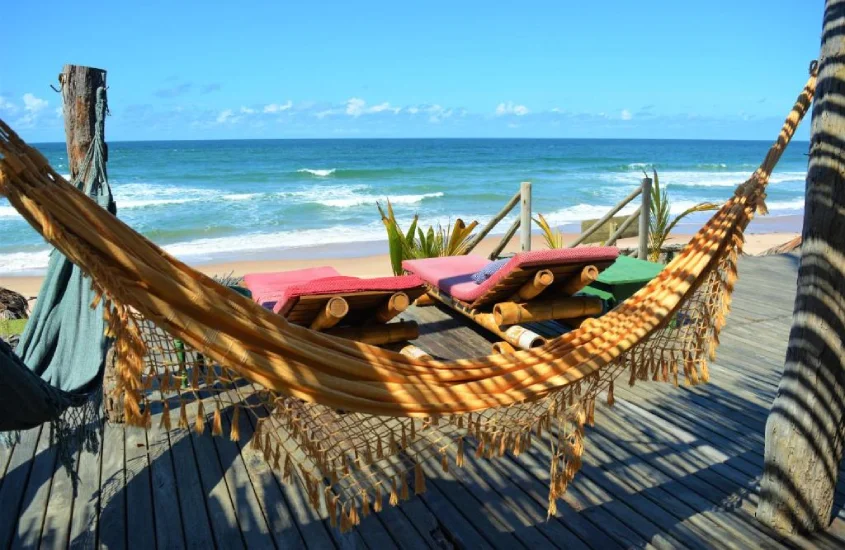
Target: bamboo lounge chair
(531, 286)
(323, 300)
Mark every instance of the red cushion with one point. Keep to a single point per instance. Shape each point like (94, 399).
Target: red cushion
(343, 285)
(266, 285)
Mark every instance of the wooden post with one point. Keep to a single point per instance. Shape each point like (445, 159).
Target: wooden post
(525, 215)
(79, 99)
(805, 431)
(645, 216)
(511, 313)
(79, 87)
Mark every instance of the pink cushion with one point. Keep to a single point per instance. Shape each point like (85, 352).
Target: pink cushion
(343, 285)
(264, 286)
(452, 275)
(448, 272)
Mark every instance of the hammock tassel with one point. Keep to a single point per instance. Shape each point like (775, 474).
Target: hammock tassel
(165, 417)
(459, 460)
(183, 414)
(331, 506)
(444, 461)
(235, 432)
(217, 422)
(277, 456)
(377, 504)
(365, 504)
(256, 437)
(199, 424)
(394, 493)
(610, 399)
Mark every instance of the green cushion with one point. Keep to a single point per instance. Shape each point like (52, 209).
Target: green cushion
(626, 276)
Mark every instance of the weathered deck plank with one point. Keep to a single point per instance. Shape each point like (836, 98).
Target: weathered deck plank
(666, 467)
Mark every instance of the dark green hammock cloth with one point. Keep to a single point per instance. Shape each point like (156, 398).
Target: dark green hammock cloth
(55, 374)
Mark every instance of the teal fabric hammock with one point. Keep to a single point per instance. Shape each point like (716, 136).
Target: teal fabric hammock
(55, 374)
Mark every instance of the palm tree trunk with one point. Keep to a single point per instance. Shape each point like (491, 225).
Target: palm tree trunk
(804, 431)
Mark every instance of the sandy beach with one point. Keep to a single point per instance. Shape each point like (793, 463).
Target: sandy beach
(371, 264)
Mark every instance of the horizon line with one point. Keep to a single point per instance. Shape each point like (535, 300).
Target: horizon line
(350, 138)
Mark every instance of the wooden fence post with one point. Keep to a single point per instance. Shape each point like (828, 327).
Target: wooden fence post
(79, 103)
(525, 215)
(79, 98)
(645, 216)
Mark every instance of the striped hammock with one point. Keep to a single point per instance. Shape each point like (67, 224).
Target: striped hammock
(351, 421)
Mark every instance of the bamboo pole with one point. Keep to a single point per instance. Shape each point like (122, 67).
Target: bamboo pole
(378, 335)
(492, 223)
(414, 352)
(623, 227)
(578, 281)
(511, 313)
(393, 306)
(595, 227)
(525, 215)
(516, 336)
(506, 238)
(503, 348)
(330, 315)
(645, 216)
(424, 301)
(531, 289)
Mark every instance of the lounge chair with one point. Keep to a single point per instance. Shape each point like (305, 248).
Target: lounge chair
(531, 286)
(322, 299)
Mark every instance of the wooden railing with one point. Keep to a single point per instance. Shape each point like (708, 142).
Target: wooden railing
(523, 222)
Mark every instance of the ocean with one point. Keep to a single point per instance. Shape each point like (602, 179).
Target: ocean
(213, 201)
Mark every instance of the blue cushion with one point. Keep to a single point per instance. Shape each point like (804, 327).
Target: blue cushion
(488, 270)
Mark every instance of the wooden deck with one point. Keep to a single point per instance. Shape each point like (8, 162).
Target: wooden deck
(666, 467)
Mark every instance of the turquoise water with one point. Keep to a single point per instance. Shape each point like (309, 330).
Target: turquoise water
(209, 201)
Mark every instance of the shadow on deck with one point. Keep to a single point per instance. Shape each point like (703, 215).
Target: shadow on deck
(665, 467)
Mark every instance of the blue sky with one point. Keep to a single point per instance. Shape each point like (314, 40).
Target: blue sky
(613, 68)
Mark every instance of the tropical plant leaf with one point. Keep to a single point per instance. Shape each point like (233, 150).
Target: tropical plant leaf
(552, 236)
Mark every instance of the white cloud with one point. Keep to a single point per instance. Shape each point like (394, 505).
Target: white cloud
(6, 105)
(224, 116)
(247, 110)
(413, 110)
(59, 112)
(437, 113)
(33, 104)
(382, 107)
(324, 114)
(278, 108)
(355, 106)
(510, 108)
(626, 115)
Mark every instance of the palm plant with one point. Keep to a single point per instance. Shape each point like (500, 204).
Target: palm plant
(552, 237)
(415, 243)
(659, 227)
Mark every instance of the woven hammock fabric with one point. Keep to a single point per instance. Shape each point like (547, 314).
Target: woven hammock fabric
(397, 412)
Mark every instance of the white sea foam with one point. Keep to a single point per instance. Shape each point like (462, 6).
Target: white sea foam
(24, 263)
(348, 196)
(8, 212)
(237, 197)
(320, 173)
(703, 179)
